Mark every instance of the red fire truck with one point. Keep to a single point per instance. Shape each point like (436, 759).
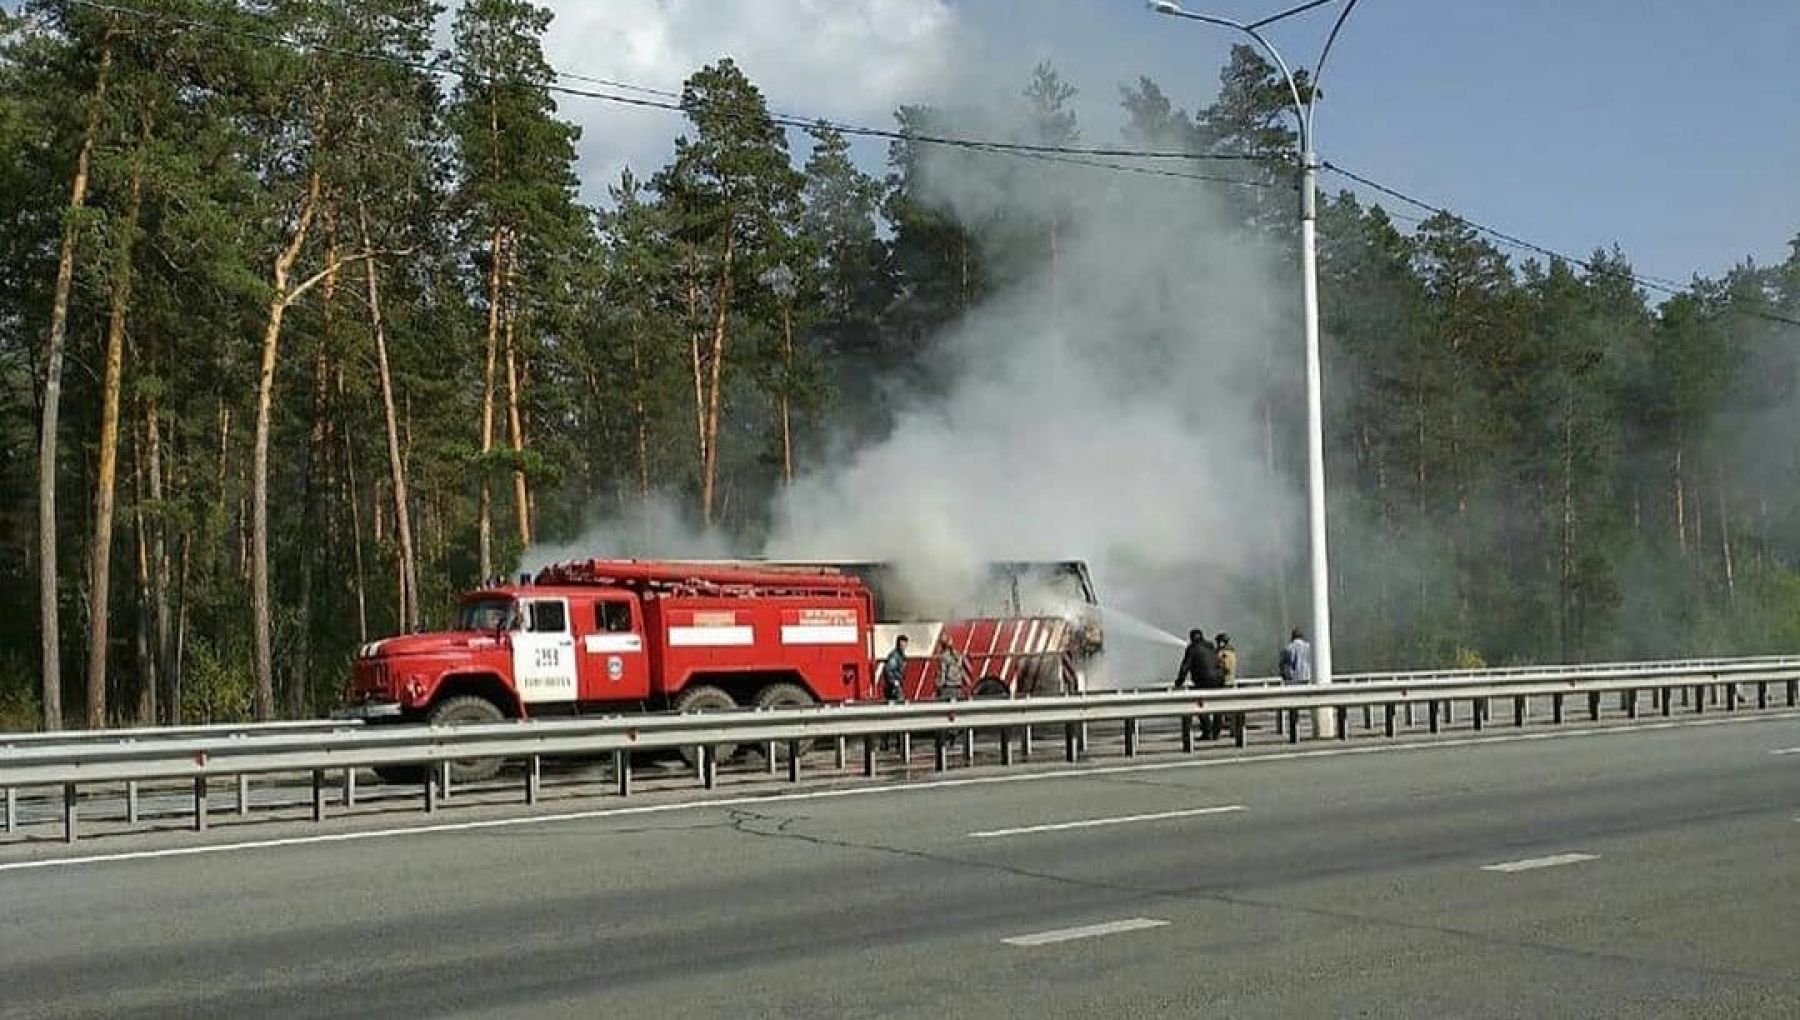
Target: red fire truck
(606, 635)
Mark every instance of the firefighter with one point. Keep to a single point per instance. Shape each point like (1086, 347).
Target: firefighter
(893, 671)
(1228, 659)
(1201, 662)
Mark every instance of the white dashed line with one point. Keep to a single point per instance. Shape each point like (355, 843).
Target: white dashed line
(1534, 863)
(1086, 931)
(1092, 823)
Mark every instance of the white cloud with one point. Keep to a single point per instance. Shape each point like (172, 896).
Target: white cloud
(852, 60)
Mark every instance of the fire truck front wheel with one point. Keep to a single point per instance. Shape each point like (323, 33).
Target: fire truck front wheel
(777, 696)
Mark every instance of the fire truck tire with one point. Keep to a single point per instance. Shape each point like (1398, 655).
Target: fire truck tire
(787, 696)
(992, 687)
(706, 698)
(462, 711)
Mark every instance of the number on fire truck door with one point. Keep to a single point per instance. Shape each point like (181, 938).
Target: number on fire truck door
(544, 652)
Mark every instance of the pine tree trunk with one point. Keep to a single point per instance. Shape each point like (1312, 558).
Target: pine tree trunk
(709, 468)
(147, 672)
(159, 548)
(50, 675)
(409, 570)
(1681, 530)
(515, 424)
(1729, 564)
(693, 321)
(485, 526)
(360, 587)
(787, 385)
(643, 419)
(106, 476)
(261, 622)
(178, 654)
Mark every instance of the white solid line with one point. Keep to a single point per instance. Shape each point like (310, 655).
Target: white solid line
(1089, 823)
(1534, 863)
(1786, 750)
(1086, 931)
(870, 791)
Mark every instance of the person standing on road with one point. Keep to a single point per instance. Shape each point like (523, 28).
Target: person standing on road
(1296, 659)
(1201, 663)
(1228, 659)
(893, 671)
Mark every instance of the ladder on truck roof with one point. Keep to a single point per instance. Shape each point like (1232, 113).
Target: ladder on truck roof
(699, 579)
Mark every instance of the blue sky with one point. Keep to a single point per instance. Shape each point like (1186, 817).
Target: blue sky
(1672, 128)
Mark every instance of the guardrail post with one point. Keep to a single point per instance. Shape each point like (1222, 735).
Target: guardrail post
(1762, 694)
(1410, 721)
(350, 786)
(1006, 756)
(906, 750)
(1699, 699)
(131, 802)
(199, 803)
(769, 754)
(793, 761)
(1731, 697)
(1449, 711)
(1237, 728)
(444, 788)
(622, 771)
(1434, 715)
(1081, 737)
(1368, 717)
(534, 776)
(1280, 721)
(1068, 742)
(1793, 693)
(1519, 711)
(1594, 706)
(12, 810)
(843, 753)
(1343, 719)
(71, 819)
(1293, 725)
(1630, 699)
(869, 755)
(431, 787)
(1387, 712)
(1187, 734)
(243, 794)
(1025, 743)
(709, 766)
(968, 739)
(1556, 709)
(1131, 738)
(318, 790)
(940, 755)
(1475, 714)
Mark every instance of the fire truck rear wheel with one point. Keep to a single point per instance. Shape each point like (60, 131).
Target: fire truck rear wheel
(706, 698)
(787, 696)
(462, 711)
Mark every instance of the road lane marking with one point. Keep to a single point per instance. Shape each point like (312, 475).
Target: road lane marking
(1086, 931)
(1092, 823)
(1534, 863)
(1786, 750)
(898, 788)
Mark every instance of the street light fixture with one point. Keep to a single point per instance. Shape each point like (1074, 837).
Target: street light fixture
(1324, 722)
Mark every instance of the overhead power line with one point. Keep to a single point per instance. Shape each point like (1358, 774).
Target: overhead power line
(664, 99)
(1658, 284)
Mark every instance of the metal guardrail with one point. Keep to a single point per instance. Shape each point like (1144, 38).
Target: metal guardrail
(58, 738)
(201, 758)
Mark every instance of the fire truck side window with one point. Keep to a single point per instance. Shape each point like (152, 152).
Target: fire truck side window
(548, 617)
(613, 617)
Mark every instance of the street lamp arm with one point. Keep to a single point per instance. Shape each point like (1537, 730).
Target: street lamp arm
(1325, 54)
(1301, 110)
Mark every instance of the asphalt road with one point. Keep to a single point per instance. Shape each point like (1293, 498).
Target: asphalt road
(1647, 872)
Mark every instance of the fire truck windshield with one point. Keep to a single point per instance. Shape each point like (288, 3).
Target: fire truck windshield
(491, 613)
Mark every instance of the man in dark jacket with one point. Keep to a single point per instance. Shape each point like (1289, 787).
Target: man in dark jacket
(1201, 663)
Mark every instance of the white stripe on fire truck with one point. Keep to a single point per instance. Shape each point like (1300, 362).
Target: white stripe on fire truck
(597, 644)
(711, 637)
(818, 634)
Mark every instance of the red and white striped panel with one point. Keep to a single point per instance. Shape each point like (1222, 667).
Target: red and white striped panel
(710, 628)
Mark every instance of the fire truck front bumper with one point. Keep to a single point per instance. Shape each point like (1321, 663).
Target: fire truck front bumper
(369, 711)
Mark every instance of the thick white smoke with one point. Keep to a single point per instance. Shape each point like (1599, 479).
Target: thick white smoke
(1106, 410)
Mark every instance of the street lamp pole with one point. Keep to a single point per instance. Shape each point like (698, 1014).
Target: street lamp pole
(1324, 721)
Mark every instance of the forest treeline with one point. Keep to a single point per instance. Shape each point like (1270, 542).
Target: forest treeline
(305, 326)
